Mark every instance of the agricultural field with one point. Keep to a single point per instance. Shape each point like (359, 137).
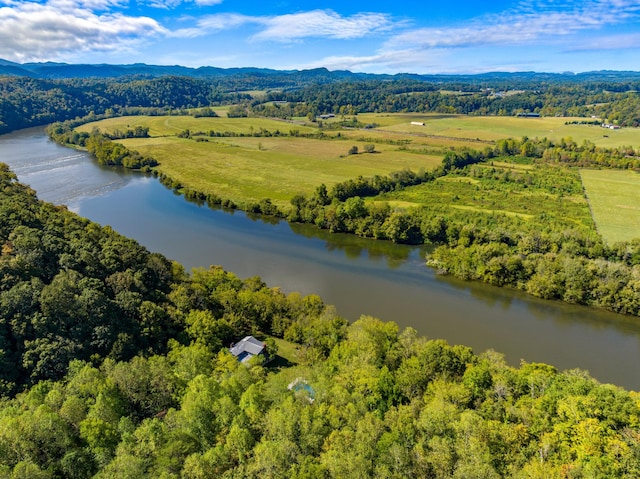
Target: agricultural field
(530, 193)
(172, 125)
(250, 168)
(615, 202)
(491, 128)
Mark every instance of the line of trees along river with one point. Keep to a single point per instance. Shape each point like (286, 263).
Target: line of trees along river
(358, 276)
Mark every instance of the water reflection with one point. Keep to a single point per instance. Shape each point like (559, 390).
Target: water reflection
(355, 247)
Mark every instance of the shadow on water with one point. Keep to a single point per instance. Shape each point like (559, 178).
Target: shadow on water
(355, 247)
(543, 309)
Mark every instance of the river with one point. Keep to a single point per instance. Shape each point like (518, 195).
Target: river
(358, 276)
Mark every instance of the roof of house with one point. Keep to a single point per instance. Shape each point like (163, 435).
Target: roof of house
(247, 348)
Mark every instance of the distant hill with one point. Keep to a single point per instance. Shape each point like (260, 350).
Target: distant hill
(64, 70)
(50, 70)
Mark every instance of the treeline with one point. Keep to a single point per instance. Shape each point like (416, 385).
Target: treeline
(569, 267)
(257, 133)
(28, 102)
(111, 153)
(101, 146)
(567, 151)
(615, 102)
(343, 209)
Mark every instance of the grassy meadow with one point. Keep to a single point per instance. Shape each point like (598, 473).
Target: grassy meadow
(614, 199)
(491, 128)
(549, 193)
(250, 168)
(172, 125)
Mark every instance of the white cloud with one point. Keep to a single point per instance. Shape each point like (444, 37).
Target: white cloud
(169, 4)
(99, 5)
(223, 21)
(530, 21)
(322, 23)
(296, 26)
(610, 42)
(32, 31)
(165, 4)
(382, 62)
(207, 3)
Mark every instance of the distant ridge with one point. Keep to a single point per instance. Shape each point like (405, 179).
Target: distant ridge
(50, 70)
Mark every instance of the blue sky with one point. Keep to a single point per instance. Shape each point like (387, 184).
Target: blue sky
(372, 36)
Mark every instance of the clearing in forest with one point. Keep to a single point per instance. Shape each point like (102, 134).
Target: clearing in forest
(615, 202)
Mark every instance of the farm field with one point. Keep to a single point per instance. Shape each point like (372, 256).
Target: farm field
(172, 125)
(544, 194)
(250, 168)
(614, 201)
(491, 128)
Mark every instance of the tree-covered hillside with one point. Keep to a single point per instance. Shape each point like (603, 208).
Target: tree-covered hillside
(26, 101)
(114, 364)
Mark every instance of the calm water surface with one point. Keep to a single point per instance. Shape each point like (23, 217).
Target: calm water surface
(357, 276)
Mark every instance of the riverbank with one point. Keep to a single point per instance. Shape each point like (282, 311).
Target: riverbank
(356, 275)
(545, 243)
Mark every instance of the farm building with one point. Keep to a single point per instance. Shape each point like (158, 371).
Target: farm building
(417, 123)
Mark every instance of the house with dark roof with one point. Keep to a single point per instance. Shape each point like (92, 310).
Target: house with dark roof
(247, 348)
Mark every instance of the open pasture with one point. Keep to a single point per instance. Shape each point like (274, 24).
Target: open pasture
(172, 125)
(412, 141)
(253, 168)
(615, 202)
(492, 128)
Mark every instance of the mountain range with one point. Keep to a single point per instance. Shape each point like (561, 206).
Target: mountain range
(51, 70)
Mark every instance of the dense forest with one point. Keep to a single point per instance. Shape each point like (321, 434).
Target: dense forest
(619, 102)
(26, 101)
(114, 364)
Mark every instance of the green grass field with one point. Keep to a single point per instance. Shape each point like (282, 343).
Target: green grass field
(172, 125)
(491, 128)
(251, 168)
(538, 200)
(245, 169)
(614, 198)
